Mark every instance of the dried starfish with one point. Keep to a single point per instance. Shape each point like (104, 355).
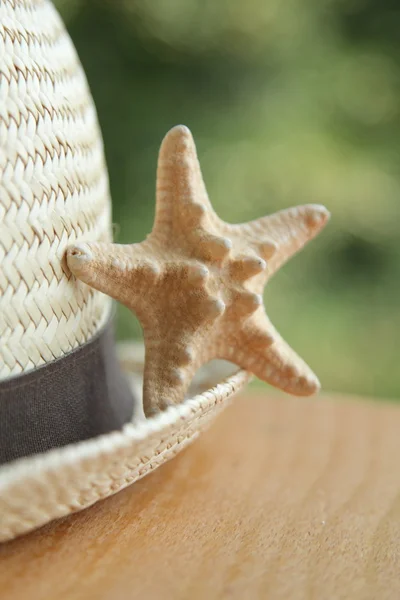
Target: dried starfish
(196, 282)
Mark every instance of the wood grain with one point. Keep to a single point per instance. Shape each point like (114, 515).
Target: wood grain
(282, 498)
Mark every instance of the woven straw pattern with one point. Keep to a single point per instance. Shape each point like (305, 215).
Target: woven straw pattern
(53, 189)
(37, 490)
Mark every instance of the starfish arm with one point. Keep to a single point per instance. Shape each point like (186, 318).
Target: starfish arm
(124, 272)
(260, 349)
(181, 196)
(287, 231)
(169, 368)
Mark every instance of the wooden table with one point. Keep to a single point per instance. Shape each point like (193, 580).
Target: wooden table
(281, 498)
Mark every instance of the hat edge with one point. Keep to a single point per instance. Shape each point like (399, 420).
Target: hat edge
(65, 480)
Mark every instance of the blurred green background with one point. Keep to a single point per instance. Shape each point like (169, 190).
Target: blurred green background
(290, 102)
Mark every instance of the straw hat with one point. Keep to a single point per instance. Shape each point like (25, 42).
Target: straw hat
(71, 425)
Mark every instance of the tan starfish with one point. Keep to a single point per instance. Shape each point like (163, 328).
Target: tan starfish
(196, 282)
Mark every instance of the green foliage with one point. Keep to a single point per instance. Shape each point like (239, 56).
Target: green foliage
(289, 102)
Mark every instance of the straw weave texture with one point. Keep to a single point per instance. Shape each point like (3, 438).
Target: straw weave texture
(53, 189)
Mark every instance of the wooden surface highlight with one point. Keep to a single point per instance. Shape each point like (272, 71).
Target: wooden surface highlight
(282, 498)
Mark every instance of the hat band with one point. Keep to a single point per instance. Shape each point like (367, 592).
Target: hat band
(71, 399)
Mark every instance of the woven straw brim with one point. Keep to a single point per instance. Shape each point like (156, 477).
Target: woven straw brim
(38, 489)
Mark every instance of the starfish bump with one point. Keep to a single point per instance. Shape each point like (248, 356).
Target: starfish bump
(196, 282)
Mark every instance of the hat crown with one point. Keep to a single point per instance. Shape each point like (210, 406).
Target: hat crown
(53, 190)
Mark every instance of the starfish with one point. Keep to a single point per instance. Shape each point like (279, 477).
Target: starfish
(196, 282)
